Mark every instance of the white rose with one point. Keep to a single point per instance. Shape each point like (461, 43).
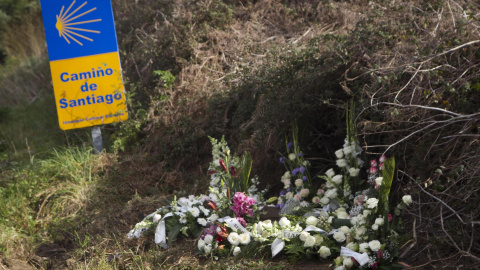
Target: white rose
(284, 222)
(236, 251)
(341, 163)
(379, 221)
(201, 244)
(379, 181)
(208, 239)
(311, 220)
(288, 195)
(309, 241)
(342, 215)
(366, 212)
(207, 249)
(344, 229)
(374, 245)
(330, 173)
(354, 221)
(287, 174)
(292, 156)
(339, 153)
(372, 202)
(267, 224)
(337, 179)
(374, 227)
(352, 246)
(347, 262)
(363, 248)
(318, 239)
(330, 219)
(233, 239)
(341, 267)
(244, 238)
(324, 252)
(347, 150)
(303, 235)
(407, 199)
(360, 231)
(156, 218)
(331, 193)
(324, 201)
(339, 236)
(298, 182)
(354, 172)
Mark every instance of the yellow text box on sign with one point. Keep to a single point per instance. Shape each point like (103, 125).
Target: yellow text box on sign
(89, 90)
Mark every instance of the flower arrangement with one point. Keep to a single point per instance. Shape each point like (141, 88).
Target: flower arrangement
(343, 214)
(296, 180)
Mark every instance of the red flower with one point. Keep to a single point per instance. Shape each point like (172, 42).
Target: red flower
(390, 217)
(373, 163)
(212, 172)
(212, 205)
(354, 261)
(234, 172)
(222, 164)
(379, 254)
(222, 234)
(373, 170)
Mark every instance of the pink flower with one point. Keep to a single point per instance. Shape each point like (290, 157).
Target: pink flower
(382, 158)
(241, 204)
(320, 192)
(242, 221)
(390, 217)
(304, 192)
(373, 163)
(373, 170)
(380, 166)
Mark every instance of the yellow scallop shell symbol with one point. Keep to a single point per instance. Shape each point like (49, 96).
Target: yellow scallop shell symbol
(66, 20)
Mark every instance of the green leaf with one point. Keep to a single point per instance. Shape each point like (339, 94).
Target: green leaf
(173, 228)
(272, 200)
(246, 169)
(388, 172)
(337, 222)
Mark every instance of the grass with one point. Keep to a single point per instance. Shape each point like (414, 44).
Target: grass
(43, 195)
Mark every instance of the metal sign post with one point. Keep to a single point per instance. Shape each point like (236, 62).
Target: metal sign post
(97, 140)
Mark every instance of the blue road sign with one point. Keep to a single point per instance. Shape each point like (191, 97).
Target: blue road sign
(76, 28)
